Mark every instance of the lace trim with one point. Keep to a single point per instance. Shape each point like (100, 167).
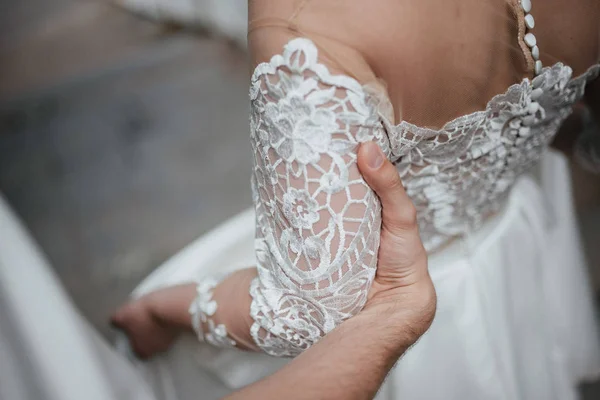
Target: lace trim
(468, 158)
(299, 54)
(317, 220)
(305, 45)
(202, 309)
(557, 69)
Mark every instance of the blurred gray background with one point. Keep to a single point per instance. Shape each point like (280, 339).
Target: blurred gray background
(121, 141)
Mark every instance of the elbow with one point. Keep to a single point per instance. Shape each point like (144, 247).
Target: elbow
(288, 321)
(300, 295)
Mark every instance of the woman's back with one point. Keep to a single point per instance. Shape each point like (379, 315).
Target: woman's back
(461, 119)
(515, 319)
(441, 59)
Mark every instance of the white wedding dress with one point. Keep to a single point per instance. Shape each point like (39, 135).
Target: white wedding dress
(228, 18)
(515, 318)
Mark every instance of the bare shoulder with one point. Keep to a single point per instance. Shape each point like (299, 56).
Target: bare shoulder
(334, 26)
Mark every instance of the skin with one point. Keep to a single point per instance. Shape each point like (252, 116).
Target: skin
(402, 301)
(353, 360)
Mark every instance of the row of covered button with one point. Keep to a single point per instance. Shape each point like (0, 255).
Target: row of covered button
(530, 39)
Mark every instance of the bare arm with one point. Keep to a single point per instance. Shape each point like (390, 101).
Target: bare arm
(349, 363)
(353, 360)
(318, 221)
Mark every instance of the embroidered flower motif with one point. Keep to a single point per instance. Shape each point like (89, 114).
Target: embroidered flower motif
(333, 183)
(298, 131)
(307, 124)
(299, 208)
(290, 239)
(202, 309)
(302, 322)
(313, 247)
(254, 90)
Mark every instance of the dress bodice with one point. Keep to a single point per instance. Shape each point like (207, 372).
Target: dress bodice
(318, 222)
(458, 175)
(461, 173)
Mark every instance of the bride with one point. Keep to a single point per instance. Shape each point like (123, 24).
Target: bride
(464, 97)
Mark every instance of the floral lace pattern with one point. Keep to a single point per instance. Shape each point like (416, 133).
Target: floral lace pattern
(201, 310)
(318, 222)
(458, 175)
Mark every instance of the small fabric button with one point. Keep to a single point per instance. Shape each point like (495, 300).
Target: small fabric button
(538, 81)
(530, 40)
(538, 67)
(535, 52)
(533, 107)
(529, 21)
(536, 93)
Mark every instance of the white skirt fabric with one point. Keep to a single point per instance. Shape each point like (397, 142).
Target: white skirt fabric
(47, 349)
(515, 316)
(227, 18)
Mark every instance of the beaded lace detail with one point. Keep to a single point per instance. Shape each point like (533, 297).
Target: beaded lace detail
(318, 222)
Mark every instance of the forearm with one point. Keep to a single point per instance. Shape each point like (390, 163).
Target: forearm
(351, 362)
(233, 307)
(232, 299)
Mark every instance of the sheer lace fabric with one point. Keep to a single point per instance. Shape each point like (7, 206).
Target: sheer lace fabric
(458, 175)
(202, 310)
(318, 222)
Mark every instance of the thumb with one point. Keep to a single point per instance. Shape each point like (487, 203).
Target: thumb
(402, 260)
(399, 213)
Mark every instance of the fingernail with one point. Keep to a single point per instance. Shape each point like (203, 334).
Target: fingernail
(374, 156)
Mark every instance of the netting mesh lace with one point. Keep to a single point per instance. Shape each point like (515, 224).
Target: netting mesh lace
(318, 222)
(458, 175)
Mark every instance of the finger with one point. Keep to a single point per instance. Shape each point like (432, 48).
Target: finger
(399, 213)
(117, 319)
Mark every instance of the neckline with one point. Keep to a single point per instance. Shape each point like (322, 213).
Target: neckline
(515, 86)
(310, 62)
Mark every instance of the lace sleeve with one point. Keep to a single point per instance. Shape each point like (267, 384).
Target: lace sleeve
(317, 221)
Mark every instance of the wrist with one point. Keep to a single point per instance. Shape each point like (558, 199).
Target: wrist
(371, 336)
(173, 309)
(384, 324)
(405, 312)
(218, 310)
(233, 297)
